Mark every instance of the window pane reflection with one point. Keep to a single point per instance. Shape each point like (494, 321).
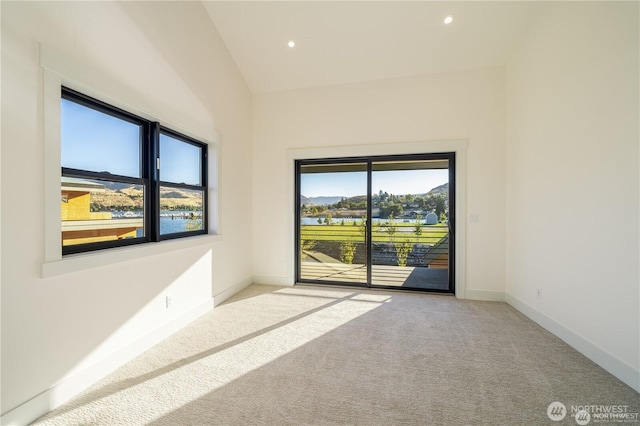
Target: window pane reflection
(99, 210)
(180, 210)
(98, 142)
(179, 161)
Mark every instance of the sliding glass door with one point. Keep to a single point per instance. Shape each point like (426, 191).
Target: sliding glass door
(383, 222)
(332, 218)
(410, 233)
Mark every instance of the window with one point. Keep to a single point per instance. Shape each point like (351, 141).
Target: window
(182, 191)
(126, 180)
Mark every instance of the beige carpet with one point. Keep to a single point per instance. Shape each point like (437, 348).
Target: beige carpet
(327, 356)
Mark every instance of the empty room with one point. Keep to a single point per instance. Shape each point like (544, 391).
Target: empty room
(320, 212)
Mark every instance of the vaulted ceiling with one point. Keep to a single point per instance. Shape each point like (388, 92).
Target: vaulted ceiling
(347, 42)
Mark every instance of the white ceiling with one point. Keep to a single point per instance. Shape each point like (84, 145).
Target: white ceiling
(348, 42)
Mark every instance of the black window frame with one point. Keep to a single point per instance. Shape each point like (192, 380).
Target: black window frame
(149, 179)
(202, 187)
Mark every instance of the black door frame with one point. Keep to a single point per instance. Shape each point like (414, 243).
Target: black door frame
(369, 160)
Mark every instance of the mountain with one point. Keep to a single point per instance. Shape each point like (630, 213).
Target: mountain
(440, 190)
(127, 196)
(116, 186)
(320, 201)
(180, 199)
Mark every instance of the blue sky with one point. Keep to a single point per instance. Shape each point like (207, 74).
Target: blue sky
(179, 161)
(348, 184)
(98, 142)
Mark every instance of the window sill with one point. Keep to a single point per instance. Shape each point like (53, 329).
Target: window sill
(96, 259)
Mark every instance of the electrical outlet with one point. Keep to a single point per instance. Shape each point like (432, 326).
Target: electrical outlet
(169, 301)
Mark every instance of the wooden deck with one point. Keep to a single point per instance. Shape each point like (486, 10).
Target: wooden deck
(381, 275)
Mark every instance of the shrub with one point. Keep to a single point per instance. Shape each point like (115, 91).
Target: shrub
(402, 251)
(347, 252)
(417, 229)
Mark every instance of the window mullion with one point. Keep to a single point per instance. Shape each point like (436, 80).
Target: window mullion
(154, 181)
(205, 183)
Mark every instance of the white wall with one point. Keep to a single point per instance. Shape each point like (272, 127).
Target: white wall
(166, 60)
(572, 175)
(465, 105)
(571, 146)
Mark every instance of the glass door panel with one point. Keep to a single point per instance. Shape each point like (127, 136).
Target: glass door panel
(410, 224)
(332, 217)
(383, 222)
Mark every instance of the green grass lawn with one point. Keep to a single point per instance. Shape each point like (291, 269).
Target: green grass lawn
(431, 234)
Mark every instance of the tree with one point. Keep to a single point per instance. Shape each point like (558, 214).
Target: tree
(315, 210)
(436, 203)
(402, 251)
(390, 208)
(417, 229)
(391, 227)
(194, 224)
(328, 219)
(347, 252)
(439, 205)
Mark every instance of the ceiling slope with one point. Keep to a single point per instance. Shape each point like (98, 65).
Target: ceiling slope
(348, 42)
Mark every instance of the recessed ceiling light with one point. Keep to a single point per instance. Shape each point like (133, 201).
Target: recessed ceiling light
(448, 19)
(291, 43)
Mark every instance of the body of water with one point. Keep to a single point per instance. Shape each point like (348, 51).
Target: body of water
(172, 222)
(171, 225)
(349, 220)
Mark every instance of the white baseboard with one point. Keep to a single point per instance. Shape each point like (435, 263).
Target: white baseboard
(73, 385)
(486, 295)
(272, 280)
(610, 363)
(225, 294)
